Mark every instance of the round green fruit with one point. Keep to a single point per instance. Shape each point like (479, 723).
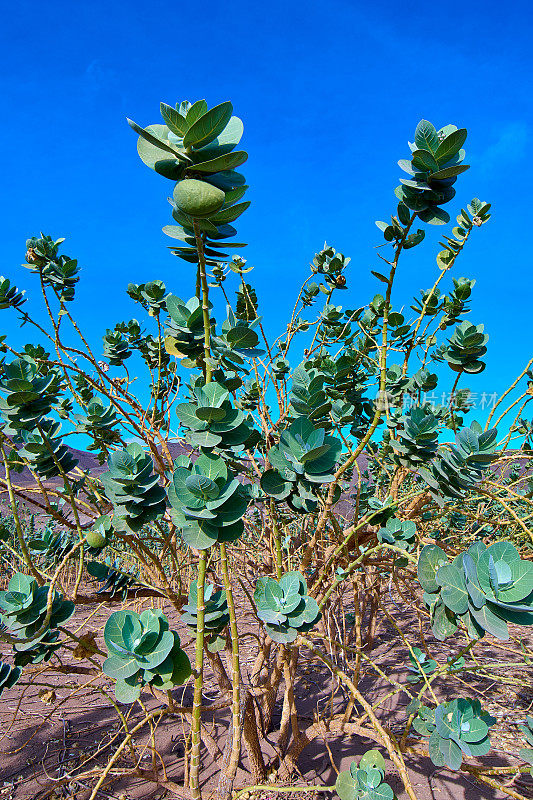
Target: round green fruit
(95, 539)
(197, 198)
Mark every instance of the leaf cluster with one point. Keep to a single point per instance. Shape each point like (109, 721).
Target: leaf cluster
(454, 728)
(24, 607)
(285, 607)
(143, 651)
(484, 588)
(304, 459)
(425, 666)
(207, 501)
(416, 439)
(216, 615)
(115, 580)
(466, 347)
(196, 148)
(459, 467)
(436, 160)
(364, 781)
(51, 543)
(212, 421)
(59, 272)
(10, 296)
(45, 451)
(133, 488)
(399, 532)
(27, 394)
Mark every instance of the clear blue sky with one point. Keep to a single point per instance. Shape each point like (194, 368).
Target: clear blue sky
(329, 94)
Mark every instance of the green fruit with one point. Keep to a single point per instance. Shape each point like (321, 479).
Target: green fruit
(95, 539)
(197, 198)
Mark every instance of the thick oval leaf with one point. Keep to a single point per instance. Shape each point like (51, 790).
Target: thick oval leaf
(176, 232)
(515, 614)
(197, 110)
(234, 195)
(430, 559)
(212, 150)
(382, 792)
(309, 614)
(224, 143)
(274, 485)
(186, 413)
(434, 216)
(480, 748)
(522, 583)
(232, 133)
(270, 616)
(447, 719)
(273, 594)
(203, 439)
(200, 538)
(453, 591)
(434, 750)
(442, 621)
(159, 652)
(113, 628)
(181, 669)
(424, 160)
(281, 634)
(474, 730)
(426, 137)
(213, 466)
(227, 179)
(346, 787)
(223, 163)
(293, 583)
(504, 551)
(174, 119)
(451, 753)
(208, 126)
(490, 622)
(450, 146)
(127, 691)
(230, 533)
(241, 336)
(21, 583)
(449, 172)
(131, 632)
(372, 758)
(371, 777)
(154, 140)
(117, 667)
